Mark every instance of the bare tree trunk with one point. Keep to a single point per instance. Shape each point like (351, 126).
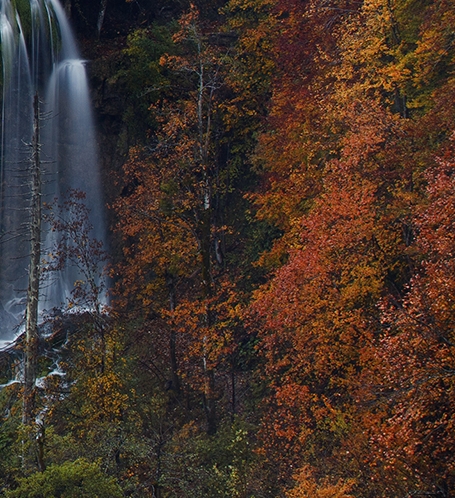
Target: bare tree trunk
(204, 131)
(31, 314)
(209, 374)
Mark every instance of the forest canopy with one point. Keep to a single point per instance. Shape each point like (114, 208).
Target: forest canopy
(282, 203)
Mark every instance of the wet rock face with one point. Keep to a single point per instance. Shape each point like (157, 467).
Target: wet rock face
(119, 14)
(104, 55)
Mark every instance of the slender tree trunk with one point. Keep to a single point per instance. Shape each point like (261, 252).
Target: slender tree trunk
(233, 392)
(204, 132)
(34, 450)
(31, 318)
(209, 374)
(173, 339)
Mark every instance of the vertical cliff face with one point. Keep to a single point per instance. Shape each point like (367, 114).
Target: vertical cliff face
(102, 44)
(102, 28)
(103, 48)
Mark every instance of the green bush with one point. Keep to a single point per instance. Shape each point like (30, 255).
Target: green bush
(78, 479)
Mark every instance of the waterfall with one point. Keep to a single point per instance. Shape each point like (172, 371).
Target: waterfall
(40, 56)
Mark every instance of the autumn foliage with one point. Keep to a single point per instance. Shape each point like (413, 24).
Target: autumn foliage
(350, 321)
(283, 298)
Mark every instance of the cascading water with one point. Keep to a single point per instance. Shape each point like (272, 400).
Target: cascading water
(39, 56)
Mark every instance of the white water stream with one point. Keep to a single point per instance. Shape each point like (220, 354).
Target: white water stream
(39, 56)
